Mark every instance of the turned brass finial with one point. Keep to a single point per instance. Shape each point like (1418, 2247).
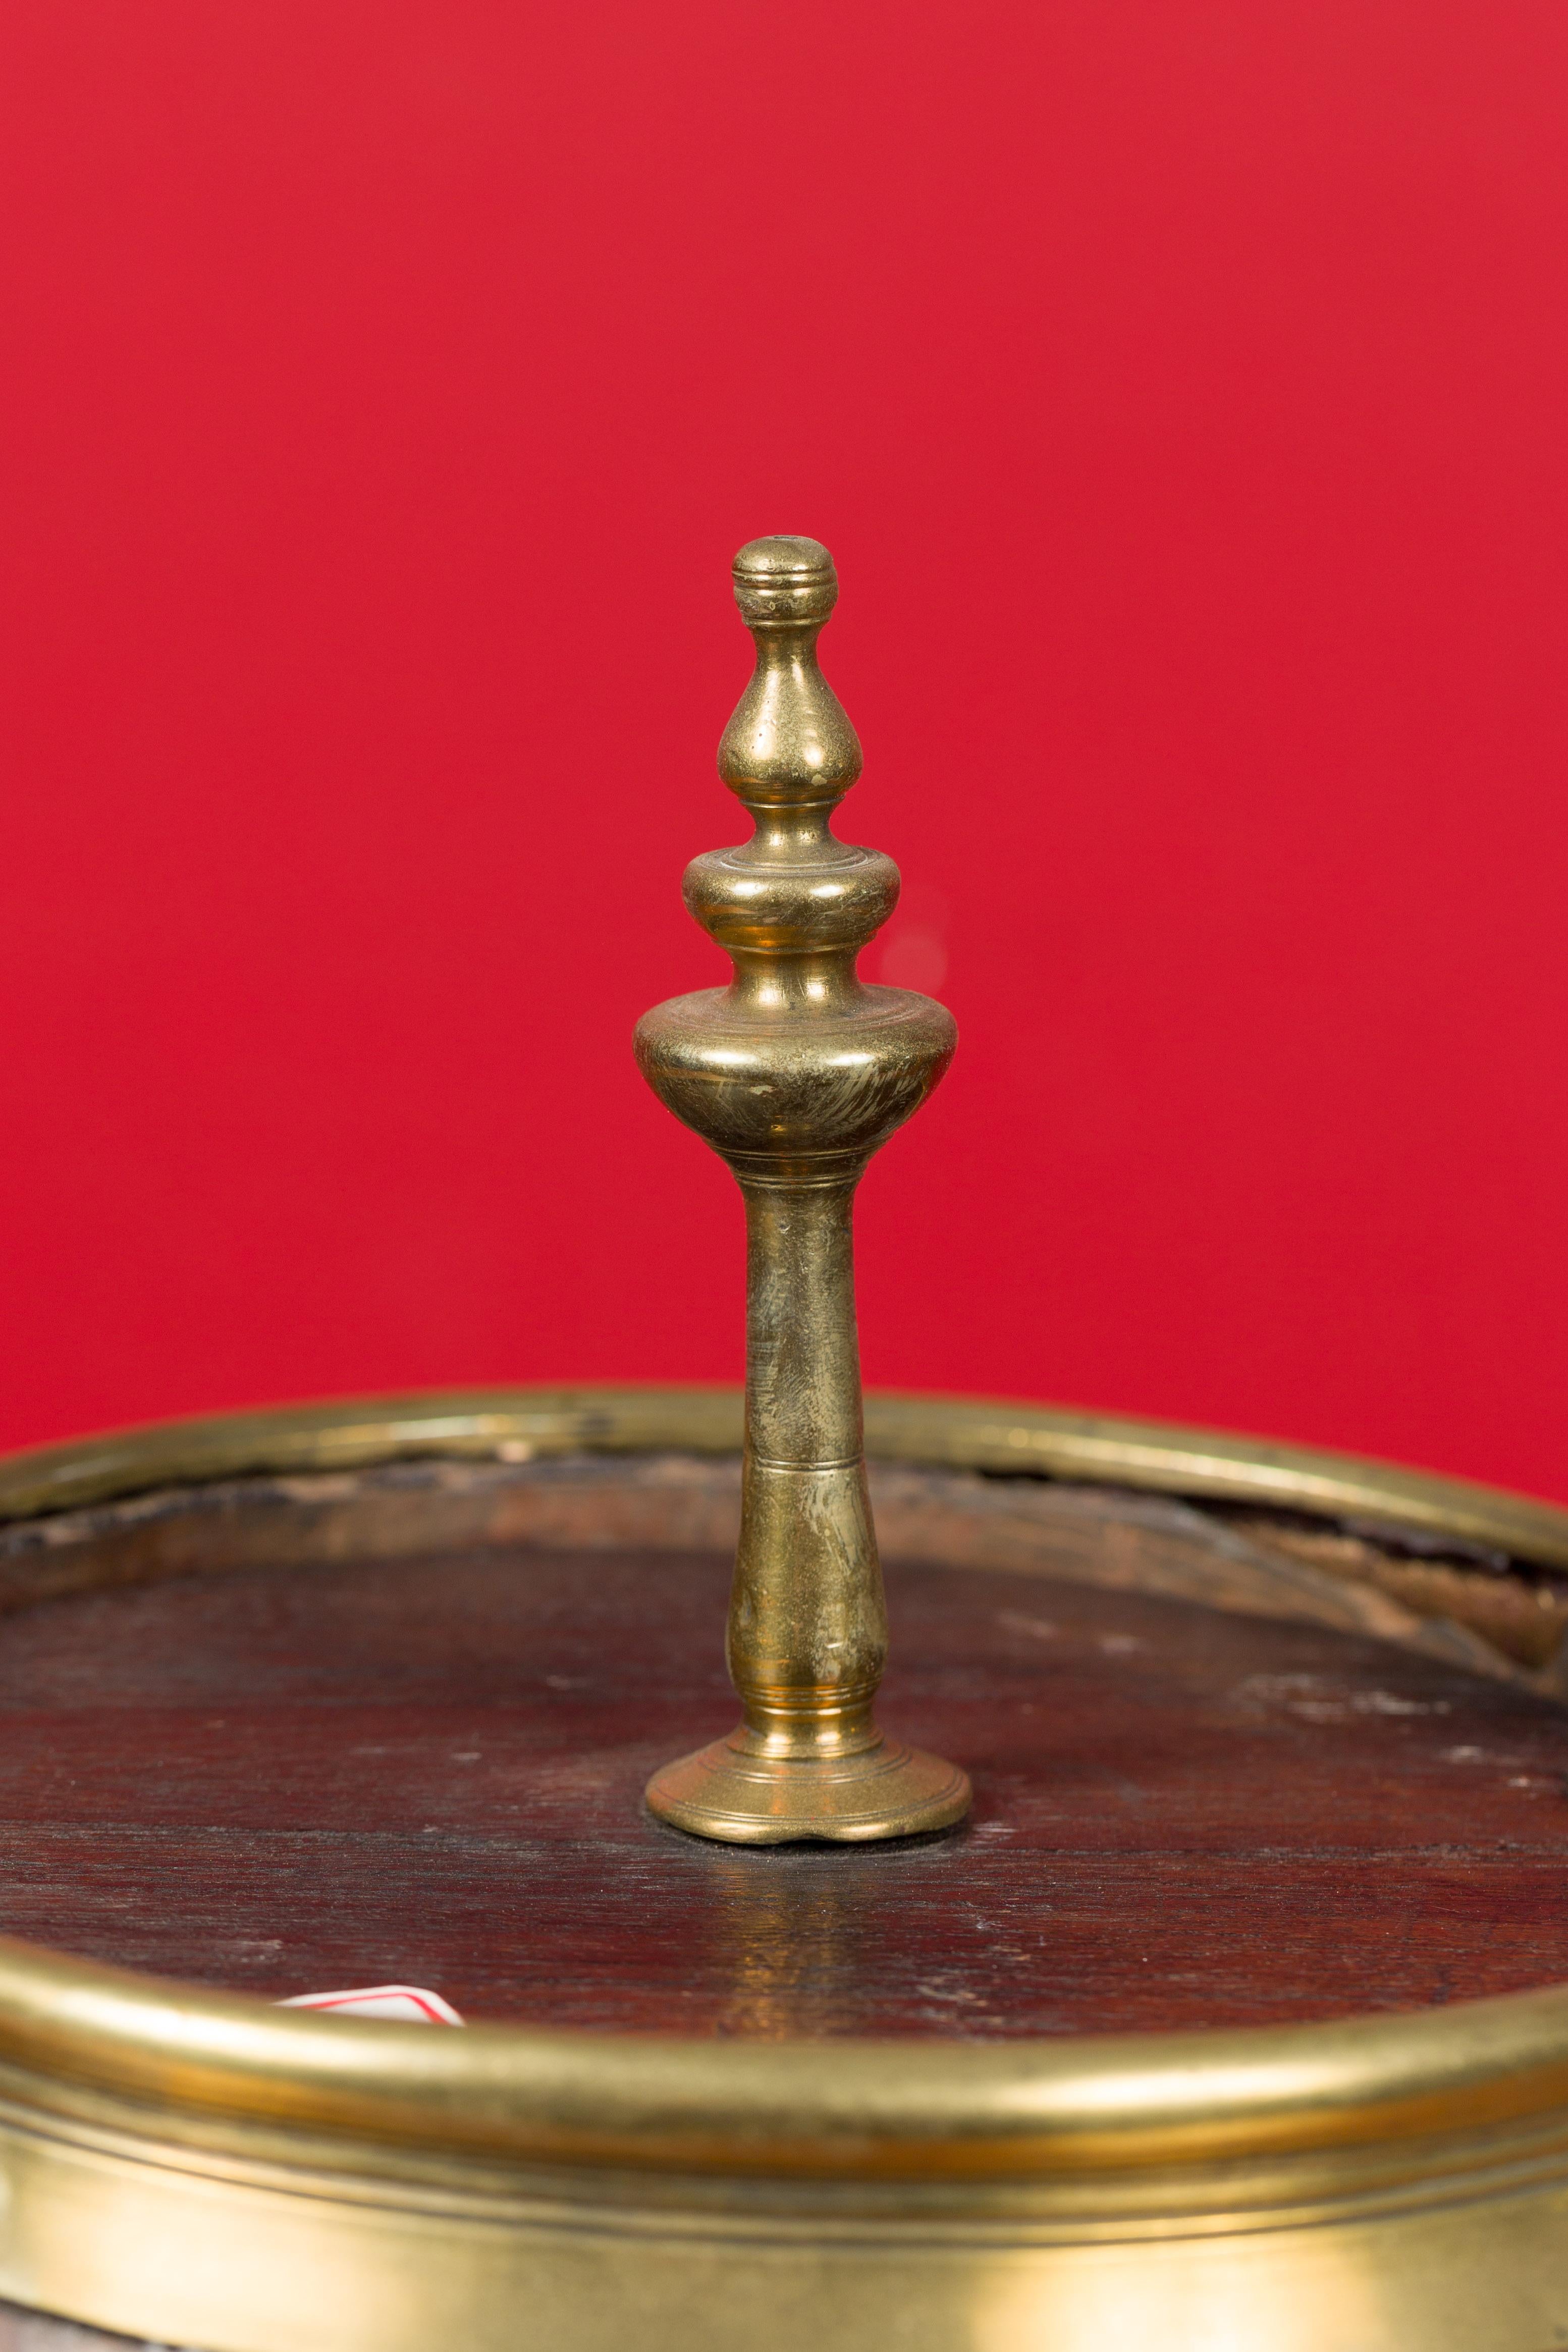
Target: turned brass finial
(795, 1074)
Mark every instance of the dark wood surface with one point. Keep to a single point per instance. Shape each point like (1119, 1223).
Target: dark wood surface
(430, 1770)
(35, 2331)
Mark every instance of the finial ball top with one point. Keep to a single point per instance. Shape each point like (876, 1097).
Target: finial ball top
(785, 579)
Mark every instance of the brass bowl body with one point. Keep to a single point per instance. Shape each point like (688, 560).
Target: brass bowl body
(200, 2169)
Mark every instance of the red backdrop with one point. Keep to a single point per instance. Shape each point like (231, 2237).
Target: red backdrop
(1181, 390)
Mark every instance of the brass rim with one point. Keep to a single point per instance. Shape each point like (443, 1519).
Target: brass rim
(849, 2108)
(958, 1432)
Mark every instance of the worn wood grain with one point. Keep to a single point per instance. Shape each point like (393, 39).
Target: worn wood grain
(429, 1768)
(1253, 1562)
(35, 2331)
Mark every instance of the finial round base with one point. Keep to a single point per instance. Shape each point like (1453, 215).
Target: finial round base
(732, 1792)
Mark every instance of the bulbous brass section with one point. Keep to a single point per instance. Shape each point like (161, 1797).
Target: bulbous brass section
(795, 1074)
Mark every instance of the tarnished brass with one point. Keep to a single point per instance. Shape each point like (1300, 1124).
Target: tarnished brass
(203, 2169)
(795, 1074)
(993, 1433)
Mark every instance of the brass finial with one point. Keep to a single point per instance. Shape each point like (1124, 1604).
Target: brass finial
(795, 1074)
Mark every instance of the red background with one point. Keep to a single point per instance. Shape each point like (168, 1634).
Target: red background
(1181, 389)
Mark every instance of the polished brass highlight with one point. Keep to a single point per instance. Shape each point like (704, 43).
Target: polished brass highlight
(795, 1074)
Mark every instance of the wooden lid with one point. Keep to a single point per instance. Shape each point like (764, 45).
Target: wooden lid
(277, 1735)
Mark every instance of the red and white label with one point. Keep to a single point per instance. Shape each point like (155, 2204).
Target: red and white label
(404, 2004)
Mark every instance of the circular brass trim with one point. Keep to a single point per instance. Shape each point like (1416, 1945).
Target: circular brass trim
(109, 2077)
(958, 1432)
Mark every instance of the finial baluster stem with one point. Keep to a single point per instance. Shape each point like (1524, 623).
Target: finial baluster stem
(796, 1073)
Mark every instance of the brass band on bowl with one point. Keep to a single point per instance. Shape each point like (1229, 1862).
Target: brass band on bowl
(991, 1434)
(206, 2170)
